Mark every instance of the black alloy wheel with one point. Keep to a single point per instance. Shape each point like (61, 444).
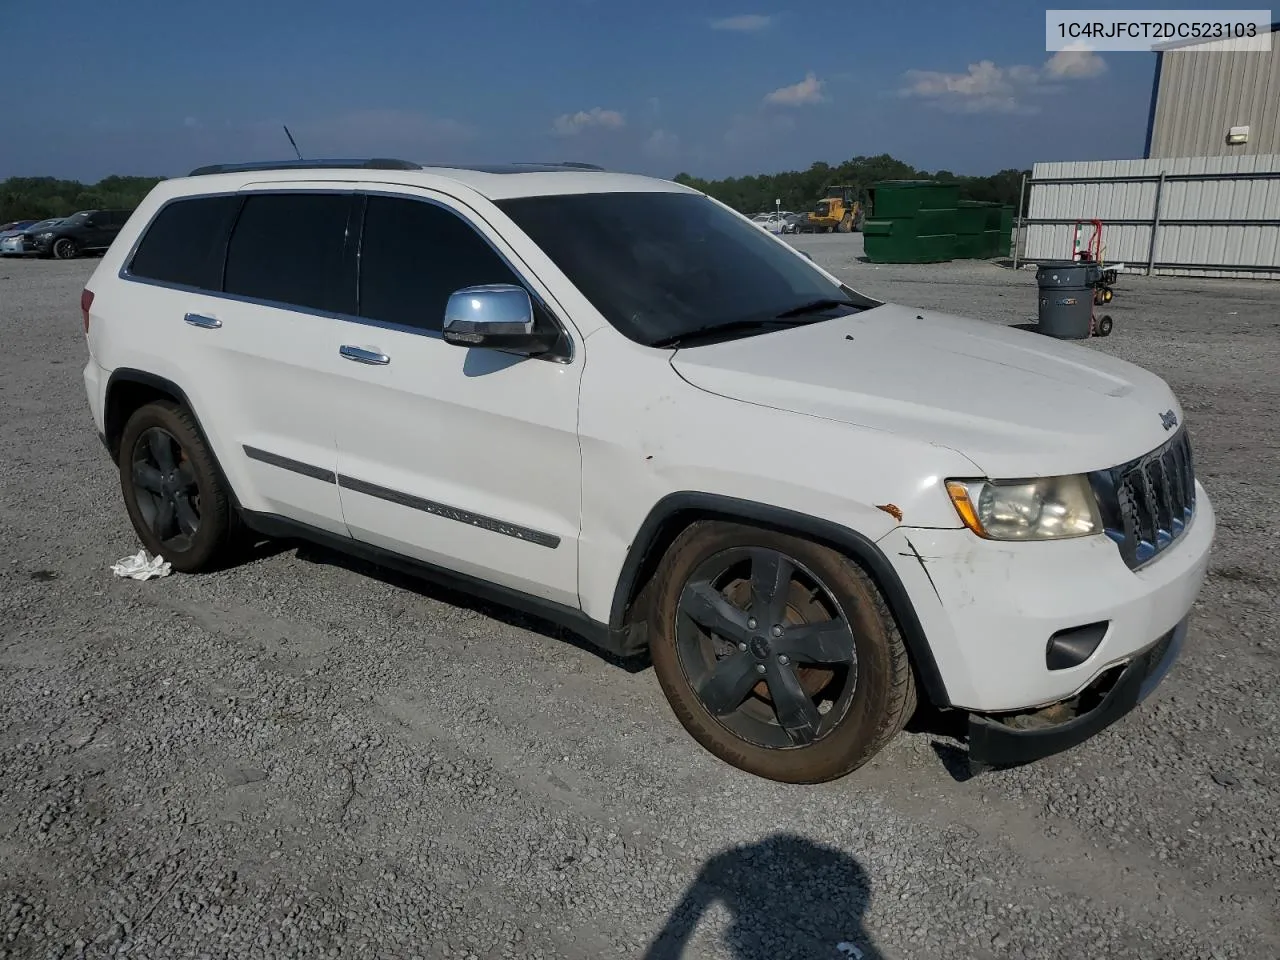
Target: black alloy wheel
(165, 488)
(766, 647)
(177, 500)
(778, 655)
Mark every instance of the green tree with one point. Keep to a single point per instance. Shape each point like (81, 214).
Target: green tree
(801, 189)
(37, 198)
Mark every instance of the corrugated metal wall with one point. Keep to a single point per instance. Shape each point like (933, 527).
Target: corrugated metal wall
(1203, 93)
(1218, 216)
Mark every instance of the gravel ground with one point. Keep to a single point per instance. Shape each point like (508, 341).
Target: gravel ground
(304, 757)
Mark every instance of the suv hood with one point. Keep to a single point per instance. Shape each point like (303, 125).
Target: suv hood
(1015, 403)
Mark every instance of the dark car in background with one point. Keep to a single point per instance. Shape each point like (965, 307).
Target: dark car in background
(82, 232)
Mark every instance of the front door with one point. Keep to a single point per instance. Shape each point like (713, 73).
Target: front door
(463, 458)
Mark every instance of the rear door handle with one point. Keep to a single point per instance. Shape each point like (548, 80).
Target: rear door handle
(207, 323)
(360, 355)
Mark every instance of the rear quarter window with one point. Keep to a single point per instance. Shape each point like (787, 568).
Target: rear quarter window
(186, 244)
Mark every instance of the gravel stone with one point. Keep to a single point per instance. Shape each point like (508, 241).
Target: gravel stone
(305, 756)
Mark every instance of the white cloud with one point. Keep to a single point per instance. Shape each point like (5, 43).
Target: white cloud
(1078, 63)
(987, 88)
(808, 90)
(743, 23)
(661, 145)
(568, 124)
(980, 80)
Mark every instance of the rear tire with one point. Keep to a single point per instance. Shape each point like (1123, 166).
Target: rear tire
(843, 651)
(173, 490)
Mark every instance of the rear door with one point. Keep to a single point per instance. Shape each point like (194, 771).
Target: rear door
(252, 319)
(116, 219)
(97, 231)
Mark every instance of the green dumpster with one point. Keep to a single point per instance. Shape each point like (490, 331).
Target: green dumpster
(971, 222)
(912, 221)
(977, 229)
(1004, 247)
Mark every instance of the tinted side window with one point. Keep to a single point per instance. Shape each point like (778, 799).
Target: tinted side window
(187, 243)
(290, 248)
(413, 255)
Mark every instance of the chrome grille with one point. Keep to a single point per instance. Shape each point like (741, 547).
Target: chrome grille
(1147, 503)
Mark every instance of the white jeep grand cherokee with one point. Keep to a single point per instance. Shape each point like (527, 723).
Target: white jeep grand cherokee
(614, 402)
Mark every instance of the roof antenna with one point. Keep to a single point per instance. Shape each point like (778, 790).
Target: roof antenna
(294, 145)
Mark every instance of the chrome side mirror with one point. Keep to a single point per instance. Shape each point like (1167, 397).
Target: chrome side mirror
(498, 316)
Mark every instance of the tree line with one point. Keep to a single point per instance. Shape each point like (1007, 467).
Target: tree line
(801, 189)
(39, 198)
(36, 198)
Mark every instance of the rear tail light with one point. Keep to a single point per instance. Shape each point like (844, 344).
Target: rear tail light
(86, 301)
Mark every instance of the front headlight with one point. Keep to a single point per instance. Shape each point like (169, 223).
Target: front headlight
(1051, 508)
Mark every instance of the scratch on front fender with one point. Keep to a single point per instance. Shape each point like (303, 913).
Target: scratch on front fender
(919, 558)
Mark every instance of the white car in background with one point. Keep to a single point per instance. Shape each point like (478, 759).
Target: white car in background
(770, 222)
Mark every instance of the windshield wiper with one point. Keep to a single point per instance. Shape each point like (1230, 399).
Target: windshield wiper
(733, 326)
(815, 306)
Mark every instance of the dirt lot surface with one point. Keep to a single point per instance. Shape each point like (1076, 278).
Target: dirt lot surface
(303, 757)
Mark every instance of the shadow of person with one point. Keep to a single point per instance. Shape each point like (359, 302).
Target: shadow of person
(787, 897)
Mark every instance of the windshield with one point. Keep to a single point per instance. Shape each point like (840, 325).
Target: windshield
(659, 265)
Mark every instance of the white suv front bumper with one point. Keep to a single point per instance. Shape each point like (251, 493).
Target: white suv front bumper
(989, 609)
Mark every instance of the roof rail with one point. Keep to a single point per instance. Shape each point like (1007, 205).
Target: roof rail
(545, 164)
(376, 163)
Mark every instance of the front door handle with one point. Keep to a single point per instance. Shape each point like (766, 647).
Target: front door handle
(360, 355)
(207, 323)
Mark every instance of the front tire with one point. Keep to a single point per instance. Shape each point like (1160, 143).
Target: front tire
(777, 655)
(64, 248)
(173, 490)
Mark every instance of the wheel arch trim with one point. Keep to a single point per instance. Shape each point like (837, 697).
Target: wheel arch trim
(144, 379)
(847, 541)
(162, 385)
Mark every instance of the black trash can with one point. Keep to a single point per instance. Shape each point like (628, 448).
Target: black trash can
(1066, 298)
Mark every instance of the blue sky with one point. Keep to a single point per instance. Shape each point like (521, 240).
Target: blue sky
(715, 89)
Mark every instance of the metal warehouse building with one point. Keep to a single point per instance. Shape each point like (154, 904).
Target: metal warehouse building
(1207, 102)
(1205, 200)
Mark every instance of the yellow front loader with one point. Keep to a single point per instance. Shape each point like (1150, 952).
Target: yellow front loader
(841, 210)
